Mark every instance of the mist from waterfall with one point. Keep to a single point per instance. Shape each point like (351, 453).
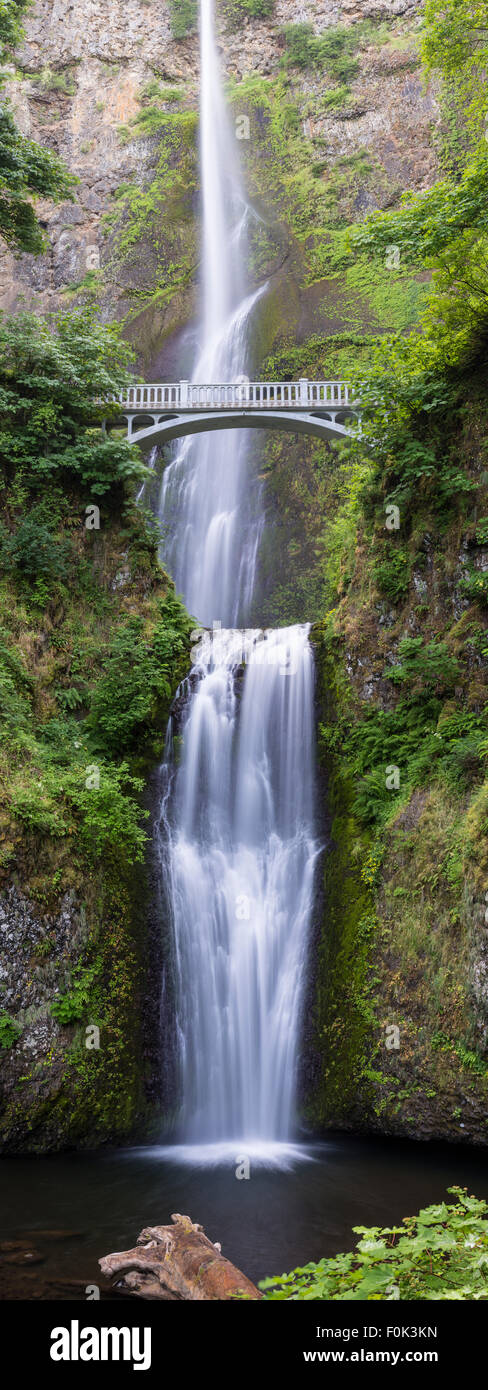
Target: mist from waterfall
(237, 840)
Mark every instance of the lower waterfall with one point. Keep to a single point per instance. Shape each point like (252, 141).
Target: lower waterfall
(239, 830)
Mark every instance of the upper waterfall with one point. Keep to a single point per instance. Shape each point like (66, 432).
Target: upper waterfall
(206, 504)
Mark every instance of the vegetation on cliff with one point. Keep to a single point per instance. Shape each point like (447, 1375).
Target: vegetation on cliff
(402, 1003)
(27, 169)
(92, 645)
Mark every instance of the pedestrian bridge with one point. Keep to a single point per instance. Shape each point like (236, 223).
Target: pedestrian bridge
(159, 412)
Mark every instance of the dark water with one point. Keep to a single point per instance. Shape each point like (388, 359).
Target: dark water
(58, 1215)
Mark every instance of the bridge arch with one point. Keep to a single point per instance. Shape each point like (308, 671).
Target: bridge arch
(166, 428)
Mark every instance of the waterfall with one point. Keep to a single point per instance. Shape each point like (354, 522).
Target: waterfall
(237, 845)
(206, 509)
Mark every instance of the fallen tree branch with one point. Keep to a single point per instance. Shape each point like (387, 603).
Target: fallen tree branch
(177, 1262)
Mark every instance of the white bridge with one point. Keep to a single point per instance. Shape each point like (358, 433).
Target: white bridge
(158, 412)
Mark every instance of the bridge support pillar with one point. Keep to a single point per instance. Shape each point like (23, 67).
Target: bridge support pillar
(184, 393)
(303, 384)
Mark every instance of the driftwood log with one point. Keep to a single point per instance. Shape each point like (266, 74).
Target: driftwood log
(177, 1262)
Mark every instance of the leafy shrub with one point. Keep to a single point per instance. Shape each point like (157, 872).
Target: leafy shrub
(137, 675)
(184, 17)
(424, 668)
(236, 10)
(111, 815)
(464, 759)
(392, 574)
(9, 1030)
(107, 817)
(50, 376)
(474, 585)
(259, 9)
(34, 803)
(299, 40)
(440, 1254)
(33, 550)
(373, 798)
(422, 737)
(70, 1007)
(332, 50)
(15, 685)
(336, 96)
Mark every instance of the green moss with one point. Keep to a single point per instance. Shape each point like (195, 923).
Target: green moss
(345, 1009)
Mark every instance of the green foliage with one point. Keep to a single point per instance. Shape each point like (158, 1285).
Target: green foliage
(444, 230)
(331, 51)
(455, 43)
(161, 91)
(441, 1254)
(11, 12)
(111, 814)
(32, 549)
(392, 573)
(71, 1007)
(15, 686)
(423, 669)
(336, 96)
(422, 735)
(26, 169)
(299, 40)
(136, 676)
(471, 1060)
(57, 82)
(153, 119)
(427, 223)
(372, 803)
(106, 818)
(184, 17)
(9, 1030)
(50, 375)
(162, 212)
(237, 11)
(474, 585)
(53, 457)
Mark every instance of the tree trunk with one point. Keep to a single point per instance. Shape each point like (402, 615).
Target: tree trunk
(177, 1262)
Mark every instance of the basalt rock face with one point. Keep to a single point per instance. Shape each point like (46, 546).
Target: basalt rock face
(36, 951)
(110, 89)
(66, 1081)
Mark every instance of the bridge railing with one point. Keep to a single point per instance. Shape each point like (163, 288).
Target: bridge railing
(258, 395)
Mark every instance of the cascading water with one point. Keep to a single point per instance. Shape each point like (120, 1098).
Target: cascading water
(205, 504)
(238, 848)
